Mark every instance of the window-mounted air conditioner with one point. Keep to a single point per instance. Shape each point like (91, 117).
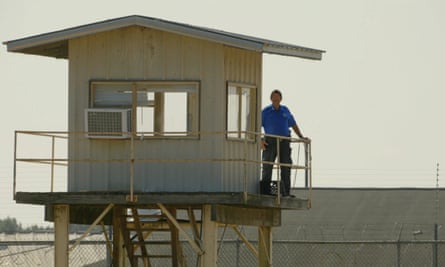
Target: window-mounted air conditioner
(108, 123)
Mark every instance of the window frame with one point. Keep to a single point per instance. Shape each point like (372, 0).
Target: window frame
(192, 89)
(252, 121)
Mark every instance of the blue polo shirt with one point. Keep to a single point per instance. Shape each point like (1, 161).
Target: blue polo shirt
(277, 121)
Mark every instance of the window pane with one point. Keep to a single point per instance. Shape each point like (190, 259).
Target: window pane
(175, 116)
(241, 109)
(245, 110)
(112, 95)
(144, 120)
(232, 111)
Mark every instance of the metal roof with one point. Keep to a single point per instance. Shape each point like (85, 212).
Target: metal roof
(367, 214)
(359, 214)
(55, 44)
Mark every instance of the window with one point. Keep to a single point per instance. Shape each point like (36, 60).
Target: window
(158, 108)
(241, 110)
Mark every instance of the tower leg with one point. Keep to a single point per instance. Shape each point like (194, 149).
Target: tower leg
(119, 256)
(61, 238)
(209, 237)
(264, 246)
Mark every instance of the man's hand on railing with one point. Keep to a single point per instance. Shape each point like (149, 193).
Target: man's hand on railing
(306, 140)
(263, 144)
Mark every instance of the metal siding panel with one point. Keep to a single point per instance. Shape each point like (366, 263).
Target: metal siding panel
(153, 54)
(204, 62)
(78, 174)
(134, 42)
(172, 45)
(242, 66)
(191, 54)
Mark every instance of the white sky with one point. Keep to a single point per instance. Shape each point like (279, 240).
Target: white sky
(373, 106)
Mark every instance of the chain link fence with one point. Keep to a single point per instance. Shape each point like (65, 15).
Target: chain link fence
(234, 253)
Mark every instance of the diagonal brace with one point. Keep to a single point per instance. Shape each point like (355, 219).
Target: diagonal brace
(88, 231)
(178, 226)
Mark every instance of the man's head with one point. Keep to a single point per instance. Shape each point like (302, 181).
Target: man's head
(276, 97)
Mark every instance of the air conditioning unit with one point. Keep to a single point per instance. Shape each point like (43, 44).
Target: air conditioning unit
(108, 123)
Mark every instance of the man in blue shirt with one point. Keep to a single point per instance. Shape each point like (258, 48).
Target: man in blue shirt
(276, 120)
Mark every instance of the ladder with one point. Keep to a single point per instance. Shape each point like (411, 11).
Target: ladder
(137, 227)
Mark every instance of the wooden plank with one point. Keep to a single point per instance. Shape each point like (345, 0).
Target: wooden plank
(246, 216)
(98, 198)
(81, 214)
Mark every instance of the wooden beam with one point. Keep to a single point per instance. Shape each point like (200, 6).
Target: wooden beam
(245, 240)
(184, 199)
(264, 246)
(107, 239)
(173, 220)
(88, 231)
(194, 225)
(209, 237)
(140, 235)
(246, 216)
(176, 248)
(119, 256)
(61, 239)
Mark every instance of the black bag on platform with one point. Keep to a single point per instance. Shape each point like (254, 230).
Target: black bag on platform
(269, 189)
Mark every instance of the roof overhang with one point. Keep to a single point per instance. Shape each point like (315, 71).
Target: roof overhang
(55, 44)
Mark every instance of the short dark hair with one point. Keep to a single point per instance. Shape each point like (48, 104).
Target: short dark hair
(276, 91)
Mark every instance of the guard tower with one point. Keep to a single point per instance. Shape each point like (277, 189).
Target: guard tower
(163, 117)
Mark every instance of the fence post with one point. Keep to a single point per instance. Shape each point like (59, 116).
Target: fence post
(435, 258)
(237, 242)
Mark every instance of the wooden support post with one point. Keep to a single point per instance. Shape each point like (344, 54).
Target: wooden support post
(265, 246)
(119, 256)
(177, 257)
(209, 237)
(61, 238)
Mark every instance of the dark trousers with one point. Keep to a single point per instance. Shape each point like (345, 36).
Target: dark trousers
(270, 154)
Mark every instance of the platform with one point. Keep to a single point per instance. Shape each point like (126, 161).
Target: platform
(167, 198)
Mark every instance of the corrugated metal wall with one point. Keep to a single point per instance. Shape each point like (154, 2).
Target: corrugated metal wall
(138, 53)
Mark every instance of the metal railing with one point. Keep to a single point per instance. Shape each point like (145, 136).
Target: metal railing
(55, 136)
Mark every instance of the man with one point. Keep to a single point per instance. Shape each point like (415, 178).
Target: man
(276, 120)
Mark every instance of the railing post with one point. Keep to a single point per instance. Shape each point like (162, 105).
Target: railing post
(15, 167)
(306, 164)
(278, 170)
(309, 171)
(132, 167)
(53, 142)
(245, 169)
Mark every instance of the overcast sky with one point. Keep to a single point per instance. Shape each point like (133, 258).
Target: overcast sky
(374, 106)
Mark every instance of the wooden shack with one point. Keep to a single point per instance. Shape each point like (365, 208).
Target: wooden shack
(162, 115)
